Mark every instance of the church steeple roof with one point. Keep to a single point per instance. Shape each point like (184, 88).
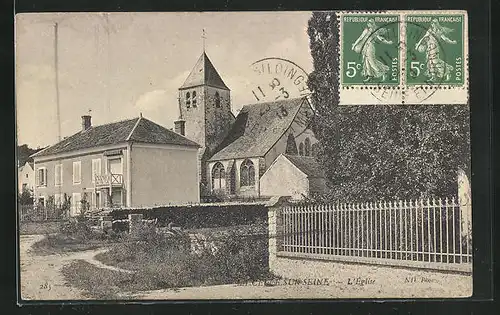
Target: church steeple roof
(204, 73)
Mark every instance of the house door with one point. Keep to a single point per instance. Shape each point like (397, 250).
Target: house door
(96, 200)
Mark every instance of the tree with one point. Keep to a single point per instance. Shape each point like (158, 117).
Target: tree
(291, 146)
(381, 152)
(25, 197)
(24, 152)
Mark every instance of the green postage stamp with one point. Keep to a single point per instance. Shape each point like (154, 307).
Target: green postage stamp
(435, 52)
(370, 51)
(403, 57)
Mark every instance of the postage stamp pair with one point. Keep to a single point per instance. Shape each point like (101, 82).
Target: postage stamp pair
(404, 51)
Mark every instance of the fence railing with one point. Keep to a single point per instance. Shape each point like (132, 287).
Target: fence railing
(41, 213)
(431, 231)
(109, 179)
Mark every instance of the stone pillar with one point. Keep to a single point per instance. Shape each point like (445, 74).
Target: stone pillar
(135, 223)
(275, 228)
(465, 202)
(105, 222)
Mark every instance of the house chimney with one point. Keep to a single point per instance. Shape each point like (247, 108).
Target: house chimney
(86, 122)
(180, 127)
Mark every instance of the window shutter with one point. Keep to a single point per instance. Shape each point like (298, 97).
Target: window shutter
(96, 168)
(76, 172)
(58, 175)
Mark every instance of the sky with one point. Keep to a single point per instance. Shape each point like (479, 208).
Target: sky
(118, 65)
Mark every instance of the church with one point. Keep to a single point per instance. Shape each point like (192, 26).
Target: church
(236, 152)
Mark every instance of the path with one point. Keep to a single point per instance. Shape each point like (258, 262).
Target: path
(41, 277)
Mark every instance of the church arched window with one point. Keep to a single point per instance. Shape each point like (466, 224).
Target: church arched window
(193, 99)
(217, 99)
(307, 147)
(188, 99)
(218, 177)
(301, 149)
(247, 173)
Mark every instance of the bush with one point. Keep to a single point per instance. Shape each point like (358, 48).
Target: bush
(162, 261)
(77, 229)
(240, 258)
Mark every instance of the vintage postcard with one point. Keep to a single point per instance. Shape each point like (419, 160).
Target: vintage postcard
(243, 155)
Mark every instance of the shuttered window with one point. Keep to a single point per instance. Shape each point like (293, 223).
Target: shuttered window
(77, 172)
(42, 176)
(58, 175)
(96, 168)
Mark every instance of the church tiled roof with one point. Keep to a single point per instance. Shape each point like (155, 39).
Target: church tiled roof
(204, 73)
(257, 128)
(307, 164)
(136, 130)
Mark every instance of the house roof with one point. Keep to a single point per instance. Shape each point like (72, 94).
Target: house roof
(257, 128)
(204, 73)
(137, 130)
(307, 164)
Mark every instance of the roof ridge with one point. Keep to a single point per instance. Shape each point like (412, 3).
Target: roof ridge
(133, 129)
(287, 100)
(300, 156)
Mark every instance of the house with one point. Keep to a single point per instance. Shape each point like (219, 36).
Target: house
(129, 163)
(301, 176)
(26, 177)
(237, 151)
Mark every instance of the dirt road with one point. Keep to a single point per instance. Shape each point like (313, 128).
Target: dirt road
(41, 277)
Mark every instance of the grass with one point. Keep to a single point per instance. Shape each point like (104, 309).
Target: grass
(161, 263)
(71, 237)
(83, 275)
(34, 228)
(59, 244)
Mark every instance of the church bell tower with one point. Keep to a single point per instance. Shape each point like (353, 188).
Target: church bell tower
(205, 110)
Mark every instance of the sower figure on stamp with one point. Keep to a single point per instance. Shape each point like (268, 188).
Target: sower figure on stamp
(365, 45)
(437, 68)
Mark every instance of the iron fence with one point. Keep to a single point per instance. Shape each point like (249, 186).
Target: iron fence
(432, 231)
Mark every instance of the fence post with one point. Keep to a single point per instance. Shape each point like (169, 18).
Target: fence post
(275, 227)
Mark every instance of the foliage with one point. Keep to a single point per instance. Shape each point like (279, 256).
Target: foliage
(201, 216)
(24, 152)
(84, 205)
(160, 261)
(25, 197)
(66, 204)
(240, 258)
(77, 229)
(381, 152)
(291, 145)
(37, 228)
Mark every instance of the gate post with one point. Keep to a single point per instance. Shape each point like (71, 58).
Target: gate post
(465, 204)
(275, 227)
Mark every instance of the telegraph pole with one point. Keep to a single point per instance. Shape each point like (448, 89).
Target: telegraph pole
(56, 69)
